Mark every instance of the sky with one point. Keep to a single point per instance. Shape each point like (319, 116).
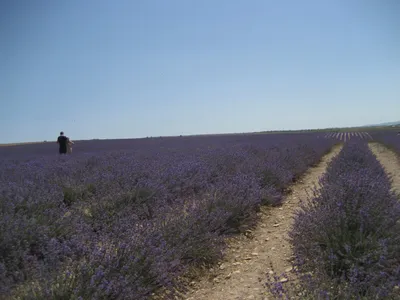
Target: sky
(137, 68)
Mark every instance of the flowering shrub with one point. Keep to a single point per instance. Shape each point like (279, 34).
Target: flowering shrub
(345, 238)
(120, 219)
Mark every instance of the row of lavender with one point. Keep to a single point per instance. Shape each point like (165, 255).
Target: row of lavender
(388, 138)
(346, 238)
(120, 224)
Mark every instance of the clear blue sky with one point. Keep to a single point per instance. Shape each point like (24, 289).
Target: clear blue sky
(130, 68)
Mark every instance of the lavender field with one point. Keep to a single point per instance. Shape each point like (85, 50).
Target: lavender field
(120, 219)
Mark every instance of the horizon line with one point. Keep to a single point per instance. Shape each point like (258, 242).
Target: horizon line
(369, 127)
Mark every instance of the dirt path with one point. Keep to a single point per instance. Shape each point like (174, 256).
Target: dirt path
(390, 161)
(242, 274)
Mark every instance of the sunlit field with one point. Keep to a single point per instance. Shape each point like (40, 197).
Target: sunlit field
(121, 219)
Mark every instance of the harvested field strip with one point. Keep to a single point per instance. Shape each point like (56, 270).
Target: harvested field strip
(242, 273)
(347, 136)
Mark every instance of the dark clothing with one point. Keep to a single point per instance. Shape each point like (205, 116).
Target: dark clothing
(62, 141)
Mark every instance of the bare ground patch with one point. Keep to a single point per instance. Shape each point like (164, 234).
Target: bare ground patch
(390, 162)
(242, 273)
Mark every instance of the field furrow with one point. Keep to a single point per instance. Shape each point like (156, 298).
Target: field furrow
(242, 273)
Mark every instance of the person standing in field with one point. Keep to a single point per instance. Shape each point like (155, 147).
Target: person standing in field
(62, 141)
(69, 145)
